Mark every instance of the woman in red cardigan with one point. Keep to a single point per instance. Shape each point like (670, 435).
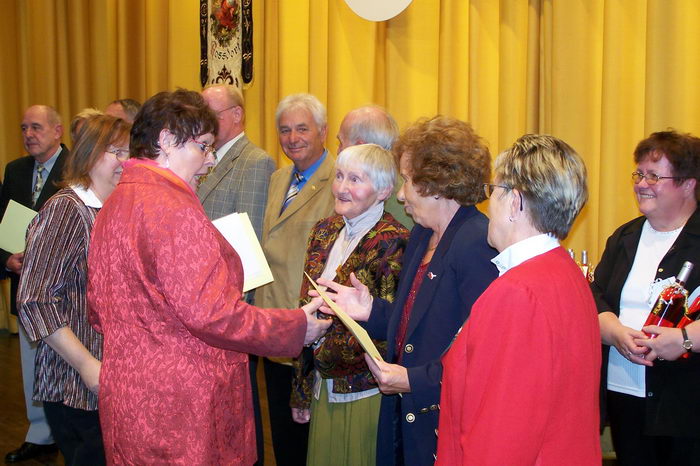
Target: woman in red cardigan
(520, 381)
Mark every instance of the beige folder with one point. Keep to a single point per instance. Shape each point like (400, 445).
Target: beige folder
(13, 228)
(357, 330)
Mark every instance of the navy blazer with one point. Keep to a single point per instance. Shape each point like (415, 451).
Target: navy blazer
(17, 186)
(671, 405)
(461, 268)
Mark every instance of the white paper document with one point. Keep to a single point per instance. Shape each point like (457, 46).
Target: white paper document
(13, 228)
(238, 231)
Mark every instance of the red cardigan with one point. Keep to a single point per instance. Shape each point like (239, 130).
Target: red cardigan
(520, 382)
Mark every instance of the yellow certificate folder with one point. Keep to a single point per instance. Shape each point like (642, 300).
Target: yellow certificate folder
(13, 229)
(356, 329)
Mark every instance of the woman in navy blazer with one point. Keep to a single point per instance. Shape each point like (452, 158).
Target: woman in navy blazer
(447, 265)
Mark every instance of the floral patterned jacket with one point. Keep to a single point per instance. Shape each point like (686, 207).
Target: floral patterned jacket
(376, 262)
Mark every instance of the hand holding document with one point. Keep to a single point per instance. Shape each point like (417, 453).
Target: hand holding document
(13, 229)
(359, 332)
(238, 231)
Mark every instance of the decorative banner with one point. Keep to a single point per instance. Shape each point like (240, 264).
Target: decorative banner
(226, 42)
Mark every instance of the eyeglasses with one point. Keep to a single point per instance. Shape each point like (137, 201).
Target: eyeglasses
(219, 112)
(652, 178)
(489, 188)
(206, 148)
(121, 154)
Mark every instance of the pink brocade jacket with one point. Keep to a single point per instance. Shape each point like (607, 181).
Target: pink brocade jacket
(165, 290)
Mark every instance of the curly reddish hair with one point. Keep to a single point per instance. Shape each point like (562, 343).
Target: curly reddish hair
(448, 159)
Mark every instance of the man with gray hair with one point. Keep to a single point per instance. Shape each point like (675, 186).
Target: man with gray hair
(126, 109)
(299, 196)
(30, 181)
(371, 124)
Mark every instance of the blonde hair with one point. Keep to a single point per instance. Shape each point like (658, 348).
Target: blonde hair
(77, 122)
(550, 175)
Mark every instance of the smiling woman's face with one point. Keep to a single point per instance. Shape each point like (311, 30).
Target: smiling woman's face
(353, 191)
(661, 201)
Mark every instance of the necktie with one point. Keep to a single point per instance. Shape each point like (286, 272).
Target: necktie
(293, 190)
(39, 183)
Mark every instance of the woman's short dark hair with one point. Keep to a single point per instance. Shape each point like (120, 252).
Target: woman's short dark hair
(681, 150)
(183, 113)
(448, 159)
(94, 137)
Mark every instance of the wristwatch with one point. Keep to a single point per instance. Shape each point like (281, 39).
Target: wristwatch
(687, 344)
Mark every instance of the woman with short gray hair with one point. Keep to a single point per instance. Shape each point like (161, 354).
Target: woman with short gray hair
(333, 386)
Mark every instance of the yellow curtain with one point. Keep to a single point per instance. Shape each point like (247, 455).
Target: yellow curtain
(600, 74)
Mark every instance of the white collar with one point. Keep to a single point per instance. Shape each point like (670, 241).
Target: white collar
(88, 196)
(225, 148)
(517, 253)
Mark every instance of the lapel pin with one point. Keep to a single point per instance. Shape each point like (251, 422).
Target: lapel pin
(431, 275)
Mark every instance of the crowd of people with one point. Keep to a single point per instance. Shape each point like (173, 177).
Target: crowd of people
(139, 345)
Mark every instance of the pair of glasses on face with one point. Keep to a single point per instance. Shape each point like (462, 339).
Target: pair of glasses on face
(205, 148)
(121, 154)
(490, 188)
(652, 178)
(219, 112)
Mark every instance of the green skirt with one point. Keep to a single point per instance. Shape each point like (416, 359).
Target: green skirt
(343, 433)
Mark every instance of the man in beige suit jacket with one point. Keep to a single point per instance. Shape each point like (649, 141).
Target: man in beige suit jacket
(299, 196)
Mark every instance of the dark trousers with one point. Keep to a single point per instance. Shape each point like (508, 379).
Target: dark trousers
(289, 439)
(634, 448)
(77, 433)
(259, 440)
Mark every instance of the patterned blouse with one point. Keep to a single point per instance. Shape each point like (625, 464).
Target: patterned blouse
(53, 292)
(376, 261)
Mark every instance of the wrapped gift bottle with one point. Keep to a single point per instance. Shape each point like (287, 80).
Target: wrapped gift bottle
(672, 302)
(690, 316)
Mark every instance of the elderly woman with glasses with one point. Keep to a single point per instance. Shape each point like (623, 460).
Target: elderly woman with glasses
(52, 296)
(446, 266)
(165, 290)
(520, 381)
(339, 395)
(652, 407)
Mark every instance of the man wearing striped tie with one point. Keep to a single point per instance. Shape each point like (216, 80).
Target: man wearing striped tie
(298, 197)
(30, 181)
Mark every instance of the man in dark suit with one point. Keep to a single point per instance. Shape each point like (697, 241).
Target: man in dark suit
(238, 183)
(30, 181)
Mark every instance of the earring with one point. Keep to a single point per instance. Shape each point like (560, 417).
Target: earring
(437, 197)
(510, 219)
